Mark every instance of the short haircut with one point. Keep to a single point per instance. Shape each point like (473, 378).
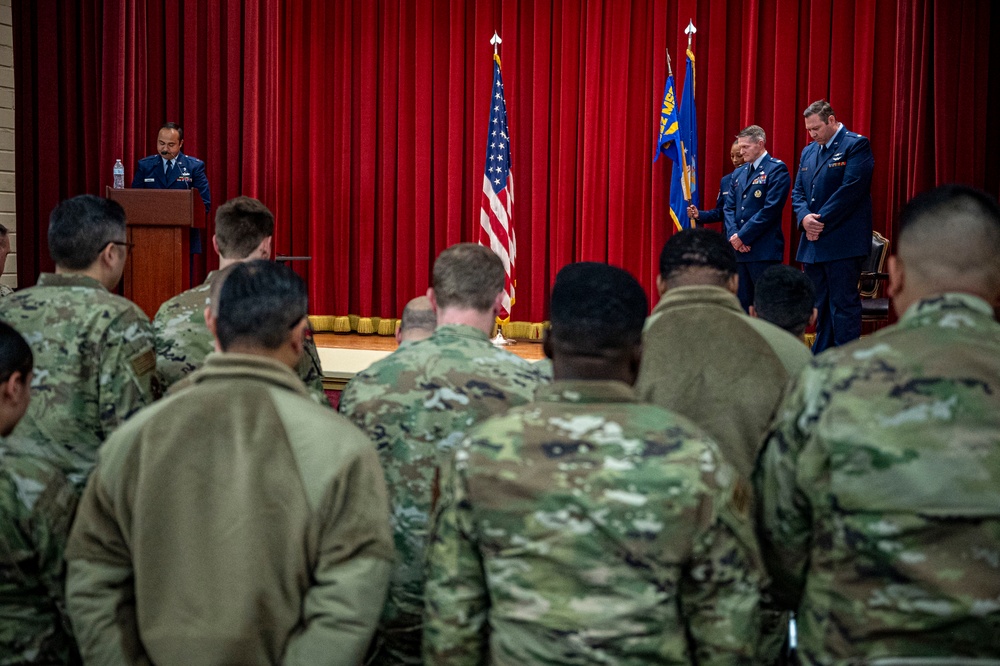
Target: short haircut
(418, 315)
(81, 227)
(467, 275)
(949, 237)
(259, 303)
(820, 108)
(173, 126)
(753, 132)
(698, 249)
(15, 354)
(3, 230)
(785, 297)
(596, 308)
(240, 225)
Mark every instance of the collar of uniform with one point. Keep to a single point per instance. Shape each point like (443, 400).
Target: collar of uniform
(68, 280)
(698, 295)
(931, 309)
(757, 162)
(833, 139)
(229, 366)
(459, 331)
(579, 390)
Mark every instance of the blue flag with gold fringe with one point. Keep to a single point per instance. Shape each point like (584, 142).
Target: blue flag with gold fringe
(686, 177)
(668, 141)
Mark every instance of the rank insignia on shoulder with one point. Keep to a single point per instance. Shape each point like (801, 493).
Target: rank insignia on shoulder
(742, 498)
(144, 362)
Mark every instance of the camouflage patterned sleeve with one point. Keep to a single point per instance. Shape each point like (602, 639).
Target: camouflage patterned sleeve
(172, 363)
(52, 517)
(456, 598)
(127, 367)
(720, 593)
(37, 504)
(784, 515)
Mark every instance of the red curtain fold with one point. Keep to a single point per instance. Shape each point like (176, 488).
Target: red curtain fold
(363, 123)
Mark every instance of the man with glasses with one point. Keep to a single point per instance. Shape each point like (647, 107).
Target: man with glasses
(94, 358)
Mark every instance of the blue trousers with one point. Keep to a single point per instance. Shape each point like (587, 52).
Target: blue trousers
(749, 272)
(838, 303)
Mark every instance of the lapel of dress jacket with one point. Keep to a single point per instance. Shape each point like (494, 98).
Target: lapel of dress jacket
(747, 177)
(818, 164)
(159, 174)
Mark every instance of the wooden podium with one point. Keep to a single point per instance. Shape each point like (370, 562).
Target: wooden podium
(159, 224)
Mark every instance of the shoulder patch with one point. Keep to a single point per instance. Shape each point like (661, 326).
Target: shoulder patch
(144, 363)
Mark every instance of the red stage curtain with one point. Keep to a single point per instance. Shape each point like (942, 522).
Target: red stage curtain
(362, 123)
(95, 80)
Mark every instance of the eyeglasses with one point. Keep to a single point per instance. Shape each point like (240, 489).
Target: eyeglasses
(128, 246)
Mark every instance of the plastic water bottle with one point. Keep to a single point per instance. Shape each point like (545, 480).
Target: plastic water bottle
(119, 175)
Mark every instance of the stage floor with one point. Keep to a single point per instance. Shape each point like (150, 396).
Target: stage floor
(345, 355)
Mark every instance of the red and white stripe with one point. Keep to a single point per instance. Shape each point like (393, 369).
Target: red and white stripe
(497, 231)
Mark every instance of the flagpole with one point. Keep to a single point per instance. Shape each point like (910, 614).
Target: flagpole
(685, 176)
(689, 31)
(499, 340)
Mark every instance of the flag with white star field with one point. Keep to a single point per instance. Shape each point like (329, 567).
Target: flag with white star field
(495, 218)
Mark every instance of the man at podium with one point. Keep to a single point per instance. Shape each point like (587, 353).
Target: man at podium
(170, 169)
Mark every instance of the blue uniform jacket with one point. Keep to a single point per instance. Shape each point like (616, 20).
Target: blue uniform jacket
(188, 173)
(753, 209)
(838, 187)
(716, 214)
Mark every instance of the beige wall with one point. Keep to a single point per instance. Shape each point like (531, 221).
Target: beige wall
(7, 216)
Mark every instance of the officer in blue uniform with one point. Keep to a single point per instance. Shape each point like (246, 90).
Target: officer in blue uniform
(832, 202)
(170, 169)
(703, 217)
(753, 211)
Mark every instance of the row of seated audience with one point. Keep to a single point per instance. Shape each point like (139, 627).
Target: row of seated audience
(680, 484)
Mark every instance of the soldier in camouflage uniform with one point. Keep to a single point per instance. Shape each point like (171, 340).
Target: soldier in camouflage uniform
(36, 506)
(416, 405)
(586, 527)
(243, 231)
(880, 483)
(94, 359)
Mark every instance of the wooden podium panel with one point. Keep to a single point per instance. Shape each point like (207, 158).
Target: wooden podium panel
(159, 224)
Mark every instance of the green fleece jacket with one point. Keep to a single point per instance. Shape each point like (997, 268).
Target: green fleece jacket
(704, 358)
(234, 522)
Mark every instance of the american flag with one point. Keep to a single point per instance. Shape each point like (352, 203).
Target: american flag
(495, 218)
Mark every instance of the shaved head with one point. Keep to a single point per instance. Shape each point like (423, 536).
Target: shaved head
(418, 321)
(949, 240)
